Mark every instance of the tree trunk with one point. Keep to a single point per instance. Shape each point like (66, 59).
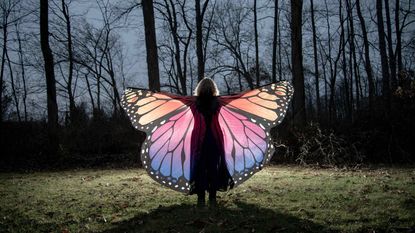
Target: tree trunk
(383, 57)
(392, 60)
(173, 24)
(344, 64)
(50, 80)
(12, 84)
(256, 44)
(368, 66)
(398, 50)
(89, 91)
(297, 63)
(151, 45)
(316, 73)
(199, 42)
(3, 60)
(274, 43)
(279, 50)
(21, 61)
(65, 12)
(352, 60)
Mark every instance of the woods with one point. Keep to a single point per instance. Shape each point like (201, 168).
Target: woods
(65, 63)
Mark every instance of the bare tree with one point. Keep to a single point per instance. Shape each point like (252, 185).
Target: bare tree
(6, 7)
(297, 63)
(368, 66)
(389, 40)
(13, 86)
(398, 50)
(275, 42)
(23, 73)
(180, 44)
(199, 38)
(256, 43)
(383, 57)
(232, 39)
(151, 45)
(316, 72)
(50, 79)
(65, 12)
(353, 67)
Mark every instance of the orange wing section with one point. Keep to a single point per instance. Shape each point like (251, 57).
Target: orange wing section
(145, 107)
(160, 111)
(264, 101)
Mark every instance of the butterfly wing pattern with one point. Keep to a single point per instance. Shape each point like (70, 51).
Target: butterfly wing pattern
(168, 123)
(246, 120)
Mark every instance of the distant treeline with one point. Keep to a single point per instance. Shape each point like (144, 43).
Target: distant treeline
(351, 63)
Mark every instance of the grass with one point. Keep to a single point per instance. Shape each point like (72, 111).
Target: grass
(277, 199)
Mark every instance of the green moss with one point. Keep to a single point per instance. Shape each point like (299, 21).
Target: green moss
(287, 199)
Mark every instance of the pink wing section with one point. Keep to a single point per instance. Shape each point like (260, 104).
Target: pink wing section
(168, 150)
(245, 143)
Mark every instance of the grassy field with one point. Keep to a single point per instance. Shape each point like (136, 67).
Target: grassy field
(277, 199)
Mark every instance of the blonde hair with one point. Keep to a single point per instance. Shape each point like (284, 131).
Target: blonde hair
(206, 86)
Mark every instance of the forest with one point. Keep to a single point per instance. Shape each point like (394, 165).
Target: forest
(66, 63)
(70, 157)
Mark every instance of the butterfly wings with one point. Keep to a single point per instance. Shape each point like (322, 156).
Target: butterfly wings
(168, 122)
(171, 124)
(245, 121)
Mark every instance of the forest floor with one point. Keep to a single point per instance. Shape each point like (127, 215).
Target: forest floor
(277, 199)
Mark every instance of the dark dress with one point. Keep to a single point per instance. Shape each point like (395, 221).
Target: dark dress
(209, 171)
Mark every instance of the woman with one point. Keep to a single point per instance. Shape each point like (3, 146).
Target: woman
(206, 142)
(210, 172)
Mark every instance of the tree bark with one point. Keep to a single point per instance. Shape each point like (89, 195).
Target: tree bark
(352, 61)
(50, 80)
(13, 86)
(368, 66)
(151, 45)
(297, 63)
(199, 39)
(21, 60)
(274, 43)
(398, 50)
(3, 61)
(90, 91)
(392, 60)
(256, 44)
(344, 64)
(383, 57)
(65, 12)
(316, 72)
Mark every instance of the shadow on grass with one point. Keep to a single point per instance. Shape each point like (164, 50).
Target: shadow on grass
(188, 218)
